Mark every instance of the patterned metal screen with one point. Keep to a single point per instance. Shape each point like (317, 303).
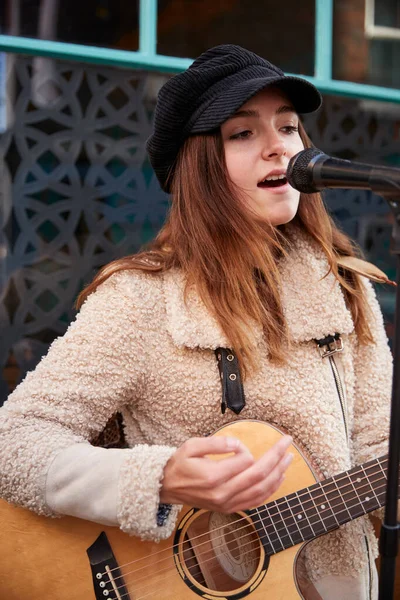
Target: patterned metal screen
(76, 189)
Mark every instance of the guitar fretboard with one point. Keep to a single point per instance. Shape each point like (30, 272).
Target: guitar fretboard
(322, 507)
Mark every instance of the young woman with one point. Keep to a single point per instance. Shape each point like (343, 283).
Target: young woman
(245, 263)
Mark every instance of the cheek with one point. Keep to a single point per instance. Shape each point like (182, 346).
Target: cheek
(296, 146)
(241, 160)
(234, 165)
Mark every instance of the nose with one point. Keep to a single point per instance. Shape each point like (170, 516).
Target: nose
(274, 146)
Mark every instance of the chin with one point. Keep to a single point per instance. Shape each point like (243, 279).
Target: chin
(283, 221)
(282, 218)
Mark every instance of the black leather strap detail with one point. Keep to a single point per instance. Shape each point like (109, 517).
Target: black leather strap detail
(330, 345)
(329, 339)
(232, 388)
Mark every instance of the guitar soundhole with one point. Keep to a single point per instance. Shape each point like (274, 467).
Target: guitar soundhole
(220, 552)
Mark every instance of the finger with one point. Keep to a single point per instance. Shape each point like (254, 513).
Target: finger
(262, 473)
(252, 498)
(218, 472)
(260, 492)
(268, 461)
(198, 447)
(260, 470)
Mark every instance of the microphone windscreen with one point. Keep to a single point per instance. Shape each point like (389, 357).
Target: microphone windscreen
(299, 172)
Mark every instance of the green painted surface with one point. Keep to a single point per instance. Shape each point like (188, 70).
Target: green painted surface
(323, 39)
(148, 28)
(147, 58)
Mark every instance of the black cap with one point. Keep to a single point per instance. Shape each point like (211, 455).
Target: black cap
(210, 91)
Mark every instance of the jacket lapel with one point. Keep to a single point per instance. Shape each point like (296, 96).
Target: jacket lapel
(188, 321)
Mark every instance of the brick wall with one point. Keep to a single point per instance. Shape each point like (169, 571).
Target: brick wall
(350, 46)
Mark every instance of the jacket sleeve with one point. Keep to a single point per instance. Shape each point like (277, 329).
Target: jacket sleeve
(47, 463)
(373, 386)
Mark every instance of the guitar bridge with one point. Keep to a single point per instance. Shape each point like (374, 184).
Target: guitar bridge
(107, 577)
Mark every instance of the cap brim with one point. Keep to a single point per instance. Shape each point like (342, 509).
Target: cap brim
(303, 95)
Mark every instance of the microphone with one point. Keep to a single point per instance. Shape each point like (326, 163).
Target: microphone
(311, 170)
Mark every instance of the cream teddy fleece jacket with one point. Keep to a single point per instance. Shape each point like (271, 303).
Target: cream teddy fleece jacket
(138, 348)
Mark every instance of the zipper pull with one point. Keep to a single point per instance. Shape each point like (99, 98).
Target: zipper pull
(330, 345)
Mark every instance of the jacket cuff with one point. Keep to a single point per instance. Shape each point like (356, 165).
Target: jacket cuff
(139, 487)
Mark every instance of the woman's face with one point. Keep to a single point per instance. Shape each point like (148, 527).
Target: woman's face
(259, 141)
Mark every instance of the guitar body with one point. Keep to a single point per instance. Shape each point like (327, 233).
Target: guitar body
(46, 559)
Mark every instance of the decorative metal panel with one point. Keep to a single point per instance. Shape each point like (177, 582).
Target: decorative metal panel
(365, 131)
(77, 190)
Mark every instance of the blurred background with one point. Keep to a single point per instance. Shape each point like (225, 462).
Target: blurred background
(78, 84)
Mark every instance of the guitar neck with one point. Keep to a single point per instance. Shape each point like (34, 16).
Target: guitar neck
(322, 507)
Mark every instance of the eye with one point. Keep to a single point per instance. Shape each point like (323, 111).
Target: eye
(290, 129)
(242, 135)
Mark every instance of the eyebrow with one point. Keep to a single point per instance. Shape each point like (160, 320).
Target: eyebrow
(285, 108)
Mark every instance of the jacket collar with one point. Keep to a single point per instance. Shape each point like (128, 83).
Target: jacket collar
(313, 302)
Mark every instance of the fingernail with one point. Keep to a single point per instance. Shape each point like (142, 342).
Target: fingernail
(288, 459)
(232, 443)
(287, 440)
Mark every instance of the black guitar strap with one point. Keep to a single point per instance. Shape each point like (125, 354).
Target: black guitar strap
(232, 388)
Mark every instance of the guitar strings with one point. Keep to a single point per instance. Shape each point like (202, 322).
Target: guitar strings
(203, 562)
(298, 525)
(191, 587)
(201, 536)
(264, 510)
(272, 533)
(252, 533)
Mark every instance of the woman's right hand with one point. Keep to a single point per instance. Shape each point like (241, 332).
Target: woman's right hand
(237, 482)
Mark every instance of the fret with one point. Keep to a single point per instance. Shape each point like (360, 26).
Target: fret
(384, 470)
(369, 478)
(276, 516)
(291, 524)
(325, 509)
(302, 516)
(260, 523)
(322, 507)
(336, 501)
(310, 502)
(383, 481)
(349, 496)
(358, 496)
(356, 505)
(278, 525)
(346, 491)
(267, 530)
(382, 492)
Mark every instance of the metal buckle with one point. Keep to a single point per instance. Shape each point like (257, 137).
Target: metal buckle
(336, 345)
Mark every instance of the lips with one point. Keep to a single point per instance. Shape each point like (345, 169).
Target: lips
(272, 183)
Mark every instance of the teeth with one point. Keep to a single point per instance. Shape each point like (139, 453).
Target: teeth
(275, 177)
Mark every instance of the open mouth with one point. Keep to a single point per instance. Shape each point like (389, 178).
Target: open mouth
(274, 182)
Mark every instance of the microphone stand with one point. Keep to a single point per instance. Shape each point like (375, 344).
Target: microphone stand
(383, 185)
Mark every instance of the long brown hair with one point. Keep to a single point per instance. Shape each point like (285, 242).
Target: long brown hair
(230, 257)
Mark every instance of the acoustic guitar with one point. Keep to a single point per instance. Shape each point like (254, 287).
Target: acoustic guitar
(249, 554)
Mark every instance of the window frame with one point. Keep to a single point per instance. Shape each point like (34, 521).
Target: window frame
(378, 32)
(147, 58)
